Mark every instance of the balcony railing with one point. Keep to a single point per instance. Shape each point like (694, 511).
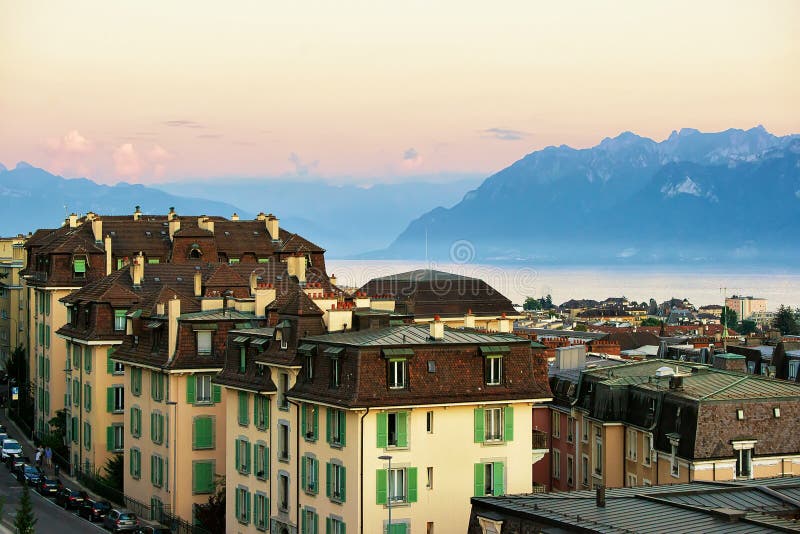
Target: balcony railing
(539, 440)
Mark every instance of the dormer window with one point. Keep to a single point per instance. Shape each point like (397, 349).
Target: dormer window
(194, 252)
(242, 359)
(204, 342)
(335, 366)
(397, 373)
(282, 333)
(79, 264)
(494, 370)
(119, 320)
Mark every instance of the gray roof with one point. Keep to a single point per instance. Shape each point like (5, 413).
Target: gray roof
(424, 275)
(414, 335)
(571, 334)
(217, 315)
(694, 507)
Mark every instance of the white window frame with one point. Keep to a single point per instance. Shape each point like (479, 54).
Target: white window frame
(204, 342)
(397, 489)
(119, 399)
(336, 481)
(585, 474)
(794, 368)
(202, 389)
(633, 444)
(119, 437)
(398, 373)
(241, 513)
(493, 425)
(494, 370)
(557, 464)
(555, 424)
(570, 471)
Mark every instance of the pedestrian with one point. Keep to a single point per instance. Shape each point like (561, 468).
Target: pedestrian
(48, 457)
(39, 454)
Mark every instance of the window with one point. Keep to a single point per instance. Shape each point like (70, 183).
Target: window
(646, 483)
(156, 386)
(309, 475)
(244, 408)
(204, 342)
(334, 525)
(112, 367)
(156, 470)
(630, 480)
(336, 425)
(115, 399)
(261, 468)
(598, 454)
(397, 373)
(242, 359)
(429, 484)
(283, 402)
(585, 470)
(398, 485)
(392, 429)
(136, 381)
(740, 414)
(776, 412)
(203, 435)
(79, 267)
(744, 461)
(115, 438)
(585, 431)
(556, 425)
(674, 466)
(489, 479)
(647, 448)
(135, 463)
(633, 443)
(494, 425)
(202, 388)
(87, 397)
(242, 454)
(87, 359)
(283, 492)
(283, 442)
(794, 366)
(203, 476)
(570, 430)
(87, 436)
(336, 481)
(751, 367)
(309, 421)
(570, 471)
(556, 464)
(309, 522)
(136, 422)
(261, 411)
(119, 320)
(261, 511)
(429, 422)
(242, 505)
(335, 372)
(157, 427)
(494, 370)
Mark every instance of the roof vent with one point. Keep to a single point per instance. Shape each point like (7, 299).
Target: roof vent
(665, 371)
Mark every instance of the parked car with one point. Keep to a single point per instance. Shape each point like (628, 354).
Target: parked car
(121, 520)
(13, 462)
(10, 447)
(3, 429)
(70, 499)
(152, 529)
(48, 486)
(94, 510)
(3, 436)
(29, 474)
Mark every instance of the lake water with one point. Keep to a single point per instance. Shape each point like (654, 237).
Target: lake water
(700, 285)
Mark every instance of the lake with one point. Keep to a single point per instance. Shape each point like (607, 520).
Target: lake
(703, 285)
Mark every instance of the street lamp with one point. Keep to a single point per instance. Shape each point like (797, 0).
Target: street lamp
(388, 458)
(174, 451)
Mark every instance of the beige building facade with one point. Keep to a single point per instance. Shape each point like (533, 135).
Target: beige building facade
(12, 296)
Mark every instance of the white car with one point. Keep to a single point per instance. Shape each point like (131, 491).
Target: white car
(10, 447)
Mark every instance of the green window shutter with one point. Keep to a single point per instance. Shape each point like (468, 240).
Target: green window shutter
(131, 463)
(381, 486)
(87, 397)
(479, 480)
(342, 417)
(266, 462)
(328, 423)
(242, 407)
(316, 523)
(328, 477)
(190, 398)
(109, 400)
(303, 526)
(508, 423)
(249, 500)
(411, 472)
(47, 337)
(79, 266)
(303, 420)
(237, 446)
(315, 469)
(87, 359)
(499, 479)
(328, 526)
(110, 438)
(247, 458)
(304, 473)
(217, 392)
(109, 361)
(316, 422)
(152, 426)
(160, 428)
(237, 501)
(383, 434)
(402, 429)
(480, 435)
(343, 487)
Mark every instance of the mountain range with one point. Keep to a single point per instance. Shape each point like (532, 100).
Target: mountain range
(724, 197)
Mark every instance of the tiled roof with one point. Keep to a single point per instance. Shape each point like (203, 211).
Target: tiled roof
(414, 335)
(299, 303)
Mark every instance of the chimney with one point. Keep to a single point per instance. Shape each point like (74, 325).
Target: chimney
(600, 496)
(504, 324)
(97, 229)
(261, 216)
(205, 223)
(107, 246)
(437, 328)
(730, 362)
(174, 226)
(137, 214)
(253, 283)
(73, 220)
(676, 383)
(90, 216)
(173, 311)
(171, 215)
(332, 279)
(235, 217)
(137, 269)
(264, 297)
(469, 319)
(273, 227)
(296, 266)
(198, 284)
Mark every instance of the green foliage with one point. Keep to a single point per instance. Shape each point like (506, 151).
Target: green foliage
(747, 327)
(729, 318)
(580, 327)
(25, 521)
(651, 321)
(543, 303)
(786, 321)
(16, 366)
(211, 515)
(115, 471)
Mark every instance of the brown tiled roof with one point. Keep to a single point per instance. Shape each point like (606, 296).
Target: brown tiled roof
(298, 303)
(633, 340)
(254, 378)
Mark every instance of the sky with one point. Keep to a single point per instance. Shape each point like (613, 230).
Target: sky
(152, 91)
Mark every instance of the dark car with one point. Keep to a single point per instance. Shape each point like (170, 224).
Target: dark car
(70, 499)
(94, 510)
(29, 474)
(118, 520)
(13, 462)
(48, 486)
(153, 530)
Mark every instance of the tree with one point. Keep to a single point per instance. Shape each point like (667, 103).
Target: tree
(25, 520)
(531, 304)
(729, 318)
(785, 321)
(211, 515)
(115, 471)
(651, 321)
(747, 327)
(16, 364)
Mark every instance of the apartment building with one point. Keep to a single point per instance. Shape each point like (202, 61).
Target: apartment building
(746, 307)
(12, 296)
(659, 422)
(89, 248)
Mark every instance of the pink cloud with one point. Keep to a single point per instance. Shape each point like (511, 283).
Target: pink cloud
(127, 163)
(69, 153)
